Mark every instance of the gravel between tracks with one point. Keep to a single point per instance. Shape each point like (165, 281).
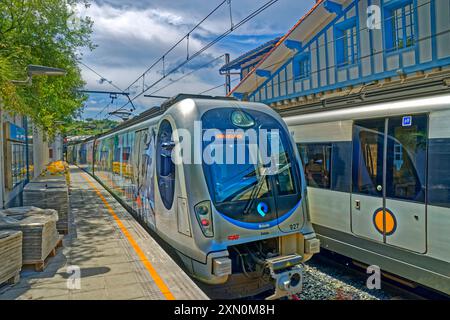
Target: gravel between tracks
(322, 282)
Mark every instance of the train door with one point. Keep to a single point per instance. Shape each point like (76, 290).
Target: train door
(367, 197)
(389, 179)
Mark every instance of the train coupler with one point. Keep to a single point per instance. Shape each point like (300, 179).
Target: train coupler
(287, 275)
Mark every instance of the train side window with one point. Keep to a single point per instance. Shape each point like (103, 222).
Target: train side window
(317, 164)
(164, 164)
(439, 172)
(407, 158)
(341, 163)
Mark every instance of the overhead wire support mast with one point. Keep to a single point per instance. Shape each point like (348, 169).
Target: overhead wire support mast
(204, 48)
(231, 15)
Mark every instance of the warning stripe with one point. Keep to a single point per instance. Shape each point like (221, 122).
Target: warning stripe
(151, 270)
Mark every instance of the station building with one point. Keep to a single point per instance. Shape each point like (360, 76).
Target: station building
(364, 88)
(24, 152)
(359, 50)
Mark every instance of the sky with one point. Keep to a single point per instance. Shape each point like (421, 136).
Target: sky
(132, 34)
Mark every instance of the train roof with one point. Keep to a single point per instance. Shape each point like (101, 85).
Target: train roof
(157, 111)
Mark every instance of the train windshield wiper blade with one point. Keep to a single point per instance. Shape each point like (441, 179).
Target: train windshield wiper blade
(255, 191)
(257, 188)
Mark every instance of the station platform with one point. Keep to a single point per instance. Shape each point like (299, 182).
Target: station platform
(113, 254)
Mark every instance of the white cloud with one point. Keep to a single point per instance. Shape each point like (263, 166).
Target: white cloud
(131, 35)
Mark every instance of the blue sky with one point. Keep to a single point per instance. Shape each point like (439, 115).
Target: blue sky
(131, 35)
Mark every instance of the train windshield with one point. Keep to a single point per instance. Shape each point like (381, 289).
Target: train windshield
(251, 163)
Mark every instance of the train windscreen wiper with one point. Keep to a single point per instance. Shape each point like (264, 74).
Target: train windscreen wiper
(256, 189)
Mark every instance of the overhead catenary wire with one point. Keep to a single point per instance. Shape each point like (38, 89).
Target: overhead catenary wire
(217, 87)
(243, 21)
(99, 113)
(186, 36)
(213, 88)
(185, 75)
(188, 74)
(101, 77)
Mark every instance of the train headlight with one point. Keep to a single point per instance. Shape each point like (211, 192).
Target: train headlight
(204, 218)
(242, 119)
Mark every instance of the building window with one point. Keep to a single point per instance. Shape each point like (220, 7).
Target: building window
(304, 69)
(347, 44)
(302, 66)
(18, 163)
(399, 27)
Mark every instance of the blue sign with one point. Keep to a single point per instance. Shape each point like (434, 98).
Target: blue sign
(16, 133)
(262, 209)
(407, 121)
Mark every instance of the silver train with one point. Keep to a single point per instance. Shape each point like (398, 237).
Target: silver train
(378, 181)
(232, 225)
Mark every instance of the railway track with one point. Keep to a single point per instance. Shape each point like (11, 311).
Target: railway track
(354, 273)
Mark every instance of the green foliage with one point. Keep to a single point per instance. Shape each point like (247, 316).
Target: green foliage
(49, 33)
(88, 127)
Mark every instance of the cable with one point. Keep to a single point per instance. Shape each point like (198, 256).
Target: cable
(185, 76)
(210, 44)
(102, 110)
(262, 8)
(188, 74)
(269, 85)
(186, 36)
(337, 39)
(218, 86)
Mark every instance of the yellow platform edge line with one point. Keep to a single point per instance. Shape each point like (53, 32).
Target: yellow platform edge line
(151, 270)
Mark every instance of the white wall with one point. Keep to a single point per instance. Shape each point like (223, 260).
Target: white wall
(40, 151)
(57, 147)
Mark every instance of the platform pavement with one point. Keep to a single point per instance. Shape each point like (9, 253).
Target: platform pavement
(116, 257)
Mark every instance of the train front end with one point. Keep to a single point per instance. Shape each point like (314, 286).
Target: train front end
(255, 223)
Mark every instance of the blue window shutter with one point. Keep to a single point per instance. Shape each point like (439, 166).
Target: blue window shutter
(339, 43)
(388, 29)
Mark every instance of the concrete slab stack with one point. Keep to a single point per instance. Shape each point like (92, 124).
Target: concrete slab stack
(50, 192)
(39, 235)
(10, 256)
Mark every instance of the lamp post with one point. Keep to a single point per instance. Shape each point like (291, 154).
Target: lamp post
(35, 70)
(32, 70)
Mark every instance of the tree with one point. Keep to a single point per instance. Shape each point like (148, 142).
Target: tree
(89, 127)
(43, 32)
